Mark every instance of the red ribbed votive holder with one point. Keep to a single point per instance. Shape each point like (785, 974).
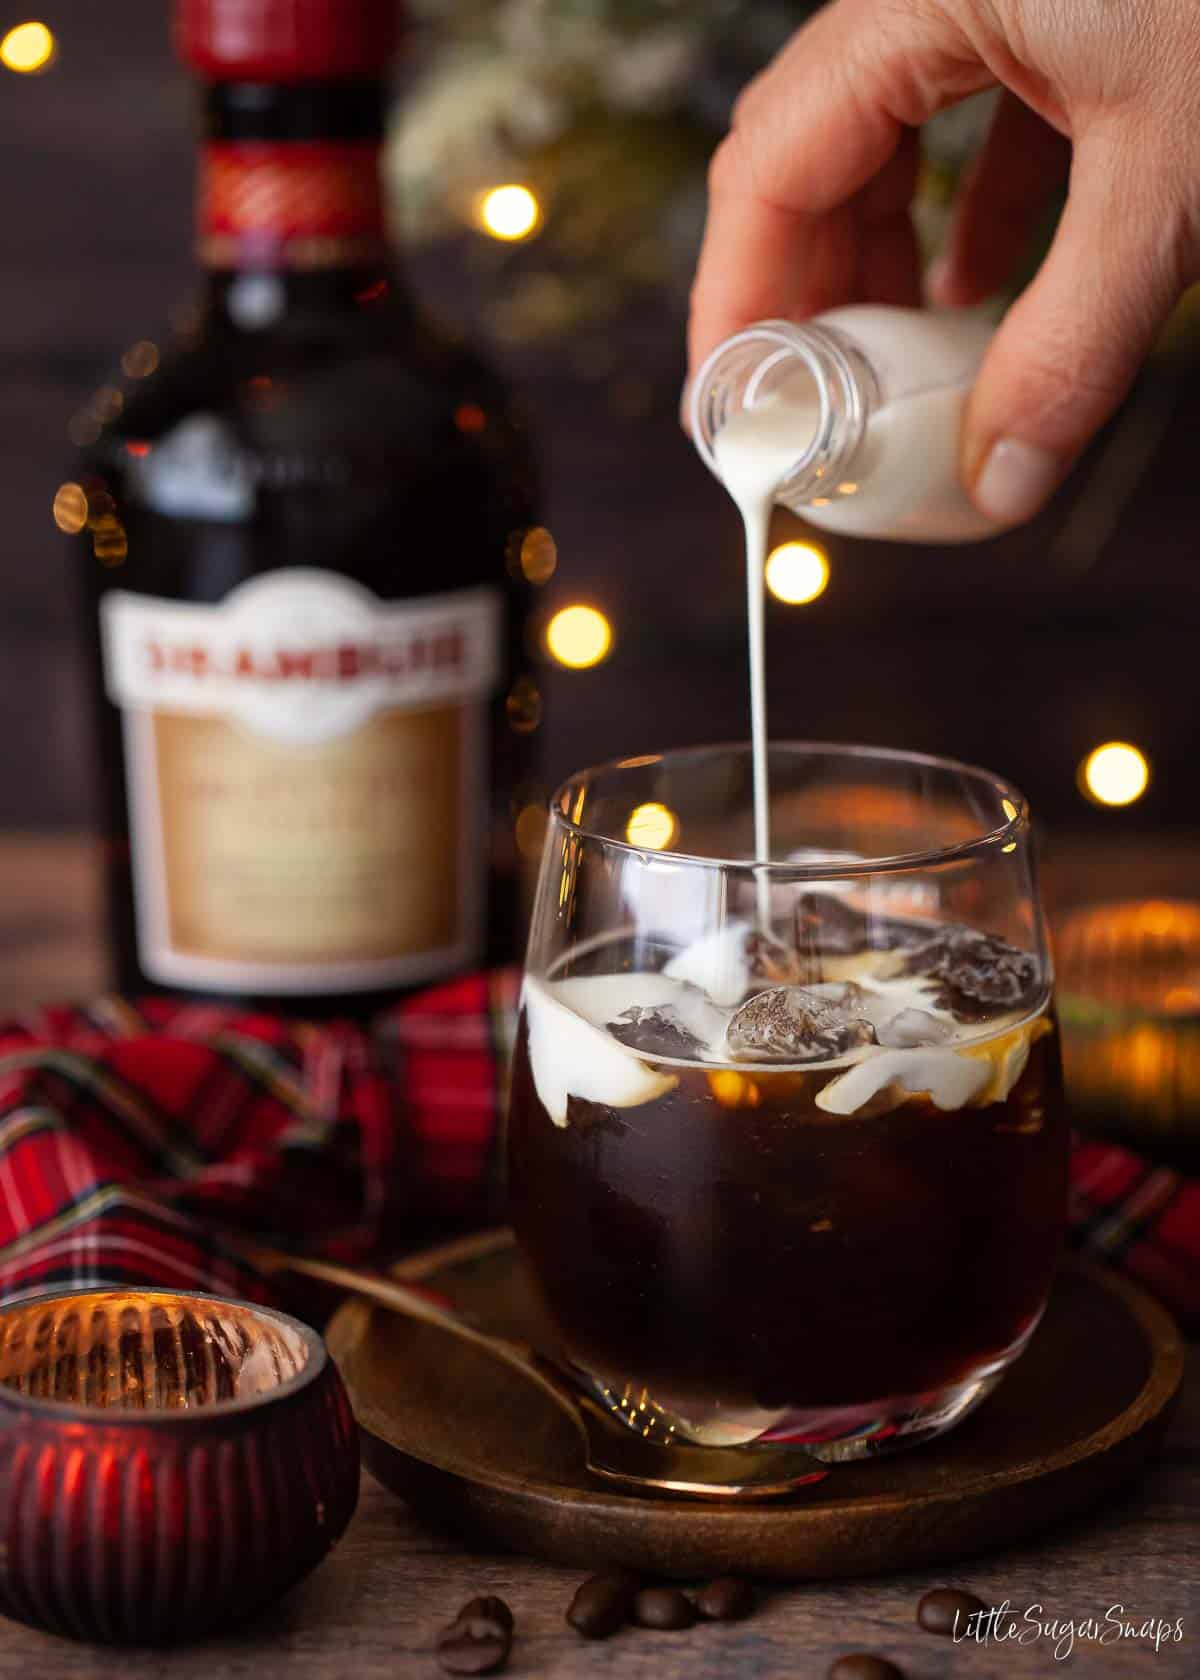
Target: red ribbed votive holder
(169, 1464)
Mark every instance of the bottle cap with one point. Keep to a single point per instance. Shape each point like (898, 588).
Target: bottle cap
(286, 40)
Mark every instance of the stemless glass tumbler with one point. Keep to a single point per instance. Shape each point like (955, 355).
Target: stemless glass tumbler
(787, 1155)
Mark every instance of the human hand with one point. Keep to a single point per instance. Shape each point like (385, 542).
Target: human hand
(809, 196)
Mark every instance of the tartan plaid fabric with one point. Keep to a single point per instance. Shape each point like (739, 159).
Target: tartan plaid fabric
(138, 1143)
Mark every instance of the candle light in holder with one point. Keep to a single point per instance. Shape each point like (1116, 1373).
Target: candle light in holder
(1129, 1001)
(168, 1463)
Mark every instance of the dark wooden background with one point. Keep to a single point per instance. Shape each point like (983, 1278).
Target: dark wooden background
(1022, 653)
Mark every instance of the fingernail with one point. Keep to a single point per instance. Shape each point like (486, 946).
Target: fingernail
(1016, 480)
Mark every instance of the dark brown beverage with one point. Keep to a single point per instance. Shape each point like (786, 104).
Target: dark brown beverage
(764, 1248)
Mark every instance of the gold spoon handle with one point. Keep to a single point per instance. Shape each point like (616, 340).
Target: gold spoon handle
(388, 1291)
(413, 1303)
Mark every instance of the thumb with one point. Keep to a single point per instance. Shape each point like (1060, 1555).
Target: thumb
(1069, 348)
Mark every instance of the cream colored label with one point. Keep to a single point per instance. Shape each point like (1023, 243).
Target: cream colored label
(307, 782)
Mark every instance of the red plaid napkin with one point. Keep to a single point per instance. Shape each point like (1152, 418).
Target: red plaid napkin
(139, 1143)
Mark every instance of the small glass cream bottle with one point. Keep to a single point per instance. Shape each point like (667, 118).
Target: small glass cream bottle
(851, 419)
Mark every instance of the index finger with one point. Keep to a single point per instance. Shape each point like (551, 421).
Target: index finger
(782, 237)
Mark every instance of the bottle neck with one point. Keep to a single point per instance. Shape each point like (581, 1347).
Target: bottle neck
(814, 376)
(290, 204)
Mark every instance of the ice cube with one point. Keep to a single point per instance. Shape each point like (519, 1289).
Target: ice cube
(978, 973)
(795, 1024)
(912, 1029)
(826, 924)
(770, 959)
(655, 1032)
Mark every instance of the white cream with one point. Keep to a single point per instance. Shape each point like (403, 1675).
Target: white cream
(572, 1054)
(717, 963)
(754, 453)
(952, 1081)
(570, 1057)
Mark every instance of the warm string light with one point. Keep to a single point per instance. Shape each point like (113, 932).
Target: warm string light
(524, 706)
(1010, 812)
(538, 555)
(797, 572)
(140, 360)
(1116, 773)
(652, 826)
(71, 508)
(510, 212)
(578, 637)
(530, 830)
(27, 48)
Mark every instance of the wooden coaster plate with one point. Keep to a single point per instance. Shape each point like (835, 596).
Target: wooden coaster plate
(476, 1449)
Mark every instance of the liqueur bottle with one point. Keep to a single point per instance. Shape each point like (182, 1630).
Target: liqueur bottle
(304, 617)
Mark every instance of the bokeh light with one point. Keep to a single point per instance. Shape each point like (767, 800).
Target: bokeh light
(107, 402)
(797, 572)
(653, 826)
(1115, 773)
(140, 360)
(469, 418)
(578, 636)
(509, 212)
(83, 428)
(110, 545)
(530, 830)
(524, 706)
(539, 555)
(1010, 811)
(27, 48)
(70, 508)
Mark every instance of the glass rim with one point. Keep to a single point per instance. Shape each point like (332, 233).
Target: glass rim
(798, 337)
(1011, 830)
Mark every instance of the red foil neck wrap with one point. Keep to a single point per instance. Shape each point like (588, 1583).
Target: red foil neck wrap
(296, 205)
(286, 40)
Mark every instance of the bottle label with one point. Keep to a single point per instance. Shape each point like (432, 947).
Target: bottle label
(307, 778)
(302, 205)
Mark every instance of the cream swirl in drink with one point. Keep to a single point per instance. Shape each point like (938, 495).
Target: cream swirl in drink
(883, 1029)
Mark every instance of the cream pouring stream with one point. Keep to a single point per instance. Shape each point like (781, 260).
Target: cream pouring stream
(755, 452)
(909, 374)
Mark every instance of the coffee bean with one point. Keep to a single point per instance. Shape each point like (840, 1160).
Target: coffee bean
(474, 1644)
(603, 1604)
(862, 1665)
(727, 1599)
(492, 1608)
(663, 1607)
(937, 1610)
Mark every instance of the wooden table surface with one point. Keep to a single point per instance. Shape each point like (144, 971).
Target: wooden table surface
(374, 1608)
